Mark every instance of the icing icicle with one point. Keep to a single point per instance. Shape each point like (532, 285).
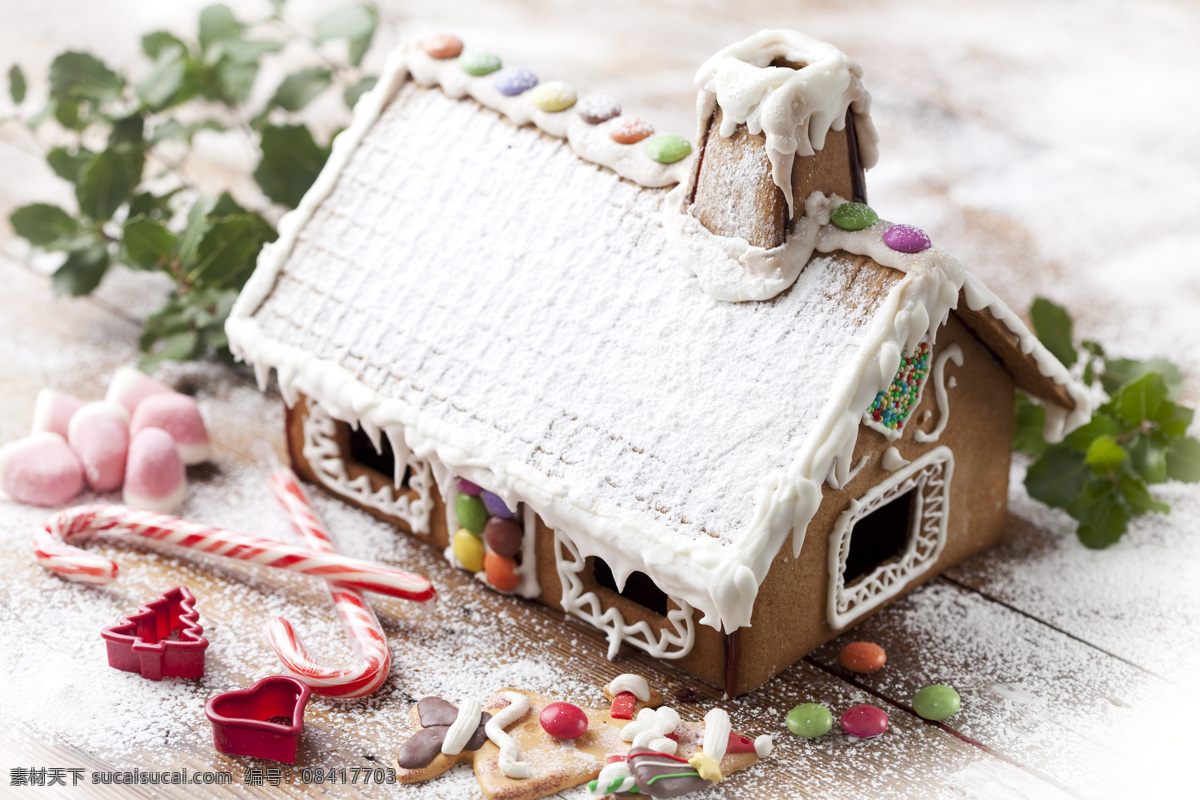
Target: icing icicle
(511, 760)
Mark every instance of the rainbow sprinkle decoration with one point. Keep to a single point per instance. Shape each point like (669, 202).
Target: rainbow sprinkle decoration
(892, 406)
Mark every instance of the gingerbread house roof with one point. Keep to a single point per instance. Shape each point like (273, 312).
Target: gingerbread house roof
(518, 316)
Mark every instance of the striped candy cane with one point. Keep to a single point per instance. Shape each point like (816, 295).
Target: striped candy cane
(359, 620)
(54, 551)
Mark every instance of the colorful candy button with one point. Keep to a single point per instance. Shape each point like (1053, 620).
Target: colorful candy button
(479, 62)
(512, 81)
(667, 148)
(809, 720)
(496, 505)
(472, 514)
(630, 130)
(936, 702)
(468, 549)
(466, 487)
(864, 721)
(563, 721)
(501, 572)
(503, 536)
(553, 96)
(862, 657)
(443, 46)
(853, 216)
(906, 239)
(597, 108)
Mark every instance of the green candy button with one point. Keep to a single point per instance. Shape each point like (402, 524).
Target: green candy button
(809, 720)
(853, 216)
(479, 62)
(472, 513)
(667, 148)
(936, 702)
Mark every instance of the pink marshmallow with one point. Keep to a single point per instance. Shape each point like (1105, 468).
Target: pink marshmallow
(53, 411)
(130, 386)
(154, 476)
(178, 415)
(99, 432)
(41, 470)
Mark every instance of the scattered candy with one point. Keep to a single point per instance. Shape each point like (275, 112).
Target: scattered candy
(501, 572)
(154, 475)
(40, 470)
(503, 536)
(178, 415)
(99, 434)
(495, 505)
(597, 108)
(468, 549)
(512, 81)
(553, 96)
(810, 720)
(667, 148)
(466, 487)
(892, 407)
(936, 702)
(630, 130)
(853, 216)
(472, 514)
(53, 411)
(906, 239)
(129, 386)
(563, 721)
(478, 62)
(863, 657)
(443, 46)
(864, 721)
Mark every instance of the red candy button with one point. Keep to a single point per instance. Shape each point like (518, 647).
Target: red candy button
(563, 721)
(864, 721)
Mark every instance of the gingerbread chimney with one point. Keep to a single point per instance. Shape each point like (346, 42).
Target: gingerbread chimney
(781, 116)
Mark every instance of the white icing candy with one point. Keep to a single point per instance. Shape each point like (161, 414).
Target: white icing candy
(650, 729)
(466, 722)
(716, 733)
(764, 745)
(636, 685)
(615, 777)
(511, 759)
(892, 460)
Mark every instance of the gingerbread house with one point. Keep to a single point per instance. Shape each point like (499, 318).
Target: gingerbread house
(695, 394)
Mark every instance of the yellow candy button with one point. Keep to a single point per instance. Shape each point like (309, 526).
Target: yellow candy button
(468, 549)
(553, 96)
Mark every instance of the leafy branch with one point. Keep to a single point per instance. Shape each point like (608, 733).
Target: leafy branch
(122, 145)
(1101, 473)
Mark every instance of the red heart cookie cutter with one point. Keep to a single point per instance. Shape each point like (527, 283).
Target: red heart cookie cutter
(250, 722)
(162, 640)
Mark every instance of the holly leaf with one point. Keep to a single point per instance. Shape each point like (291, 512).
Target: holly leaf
(227, 251)
(67, 164)
(1057, 477)
(1030, 421)
(43, 225)
(1137, 497)
(1053, 328)
(1141, 399)
(153, 44)
(291, 162)
(217, 24)
(148, 204)
(235, 79)
(181, 346)
(82, 271)
(301, 88)
(157, 90)
(147, 244)
(1183, 460)
(245, 51)
(1119, 371)
(78, 76)
(1149, 458)
(355, 24)
(193, 231)
(1105, 455)
(104, 183)
(1174, 419)
(16, 84)
(1105, 524)
(364, 85)
(1100, 424)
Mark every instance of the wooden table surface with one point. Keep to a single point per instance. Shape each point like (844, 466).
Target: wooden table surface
(1045, 146)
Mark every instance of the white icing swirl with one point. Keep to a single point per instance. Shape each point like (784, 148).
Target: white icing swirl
(650, 729)
(512, 761)
(716, 733)
(634, 684)
(466, 722)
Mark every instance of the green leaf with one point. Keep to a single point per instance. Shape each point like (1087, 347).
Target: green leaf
(226, 206)
(1119, 371)
(1057, 477)
(1029, 422)
(1141, 399)
(1053, 329)
(235, 79)
(301, 88)
(104, 183)
(16, 84)
(1104, 455)
(352, 22)
(244, 51)
(217, 24)
(364, 85)
(178, 347)
(43, 224)
(170, 129)
(82, 76)
(67, 164)
(147, 244)
(71, 114)
(148, 204)
(1100, 424)
(1105, 526)
(228, 250)
(193, 232)
(1138, 499)
(165, 79)
(291, 162)
(153, 44)
(82, 271)
(1174, 419)
(1149, 458)
(1183, 460)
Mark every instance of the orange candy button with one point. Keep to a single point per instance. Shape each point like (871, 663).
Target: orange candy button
(863, 657)
(443, 46)
(629, 130)
(501, 572)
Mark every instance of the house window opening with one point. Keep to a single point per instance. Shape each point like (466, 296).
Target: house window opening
(879, 537)
(638, 587)
(383, 461)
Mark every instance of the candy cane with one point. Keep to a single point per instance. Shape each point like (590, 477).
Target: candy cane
(54, 551)
(359, 620)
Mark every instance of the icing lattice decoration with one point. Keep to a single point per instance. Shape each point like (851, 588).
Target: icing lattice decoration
(891, 408)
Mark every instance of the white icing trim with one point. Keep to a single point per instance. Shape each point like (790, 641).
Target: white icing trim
(650, 729)
(527, 569)
(831, 480)
(512, 761)
(672, 641)
(952, 353)
(893, 434)
(764, 745)
(891, 460)
(716, 733)
(929, 479)
(636, 685)
(615, 777)
(466, 722)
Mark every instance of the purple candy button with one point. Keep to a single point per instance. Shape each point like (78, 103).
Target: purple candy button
(514, 80)
(906, 239)
(466, 487)
(496, 505)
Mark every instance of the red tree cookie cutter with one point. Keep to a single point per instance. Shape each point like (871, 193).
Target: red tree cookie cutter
(251, 722)
(162, 640)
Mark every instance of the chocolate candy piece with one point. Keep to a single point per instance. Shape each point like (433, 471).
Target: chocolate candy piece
(597, 108)
(501, 572)
(863, 657)
(503, 536)
(433, 710)
(906, 239)
(436, 716)
(667, 148)
(496, 505)
(936, 702)
(809, 720)
(479, 62)
(853, 216)
(660, 775)
(468, 549)
(553, 96)
(443, 46)
(512, 81)
(563, 721)
(864, 721)
(629, 130)
(472, 514)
